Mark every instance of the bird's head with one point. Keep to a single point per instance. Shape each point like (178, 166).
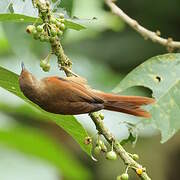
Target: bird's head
(27, 81)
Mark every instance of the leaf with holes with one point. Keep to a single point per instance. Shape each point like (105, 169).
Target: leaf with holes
(161, 74)
(131, 138)
(9, 81)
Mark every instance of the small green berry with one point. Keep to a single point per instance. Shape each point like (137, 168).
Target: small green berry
(99, 142)
(111, 155)
(135, 157)
(43, 63)
(125, 176)
(97, 150)
(47, 67)
(42, 38)
(46, 38)
(53, 20)
(53, 32)
(52, 39)
(60, 33)
(61, 15)
(30, 28)
(62, 20)
(34, 31)
(62, 27)
(101, 116)
(39, 28)
(36, 36)
(103, 147)
(58, 24)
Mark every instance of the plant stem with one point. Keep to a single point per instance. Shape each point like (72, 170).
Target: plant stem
(117, 146)
(65, 63)
(63, 60)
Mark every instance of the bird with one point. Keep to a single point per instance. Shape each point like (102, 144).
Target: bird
(73, 96)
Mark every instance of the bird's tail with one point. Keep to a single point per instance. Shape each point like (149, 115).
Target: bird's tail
(126, 104)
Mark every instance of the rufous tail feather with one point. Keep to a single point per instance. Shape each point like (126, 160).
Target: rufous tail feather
(126, 104)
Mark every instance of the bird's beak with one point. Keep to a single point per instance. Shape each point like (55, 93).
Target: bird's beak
(22, 66)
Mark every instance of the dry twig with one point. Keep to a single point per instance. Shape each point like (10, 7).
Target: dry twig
(147, 34)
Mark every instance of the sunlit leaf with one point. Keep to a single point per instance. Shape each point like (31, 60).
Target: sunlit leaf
(72, 24)
(9, 81)
(17, 18)
(23, 11)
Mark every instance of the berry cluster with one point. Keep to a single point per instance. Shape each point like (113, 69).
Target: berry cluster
(101, 147)
(111, 155)
(48, 31)
(45, 65)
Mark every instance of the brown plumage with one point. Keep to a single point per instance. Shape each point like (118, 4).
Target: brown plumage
(71, 96)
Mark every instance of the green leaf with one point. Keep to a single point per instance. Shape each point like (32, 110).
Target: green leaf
(17, 18)
(60, 5)
(161, 74)
(35, 143)
(131, 138)
(68, 5)
(23, 11)
(9, 81)
(72, 24)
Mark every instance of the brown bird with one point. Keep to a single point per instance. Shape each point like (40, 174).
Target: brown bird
(72, 96)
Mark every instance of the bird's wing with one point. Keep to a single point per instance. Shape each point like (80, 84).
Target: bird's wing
(75, 89)
(79, 80)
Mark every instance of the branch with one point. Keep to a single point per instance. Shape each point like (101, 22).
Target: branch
(128, 160)
(65, 64)
(147, 34)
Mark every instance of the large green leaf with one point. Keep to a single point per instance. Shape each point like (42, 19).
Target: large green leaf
(16, 18)
(23, 11)
(161, 74)
(26, 7)
(9, 81)
(35, 143)
(70, 23)
(73, 24)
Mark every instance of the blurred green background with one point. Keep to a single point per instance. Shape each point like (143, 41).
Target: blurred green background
(104, 54)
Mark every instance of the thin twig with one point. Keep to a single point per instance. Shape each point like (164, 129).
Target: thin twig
(65, 63)
(65, 69)
(128, 160)
(147, 34)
